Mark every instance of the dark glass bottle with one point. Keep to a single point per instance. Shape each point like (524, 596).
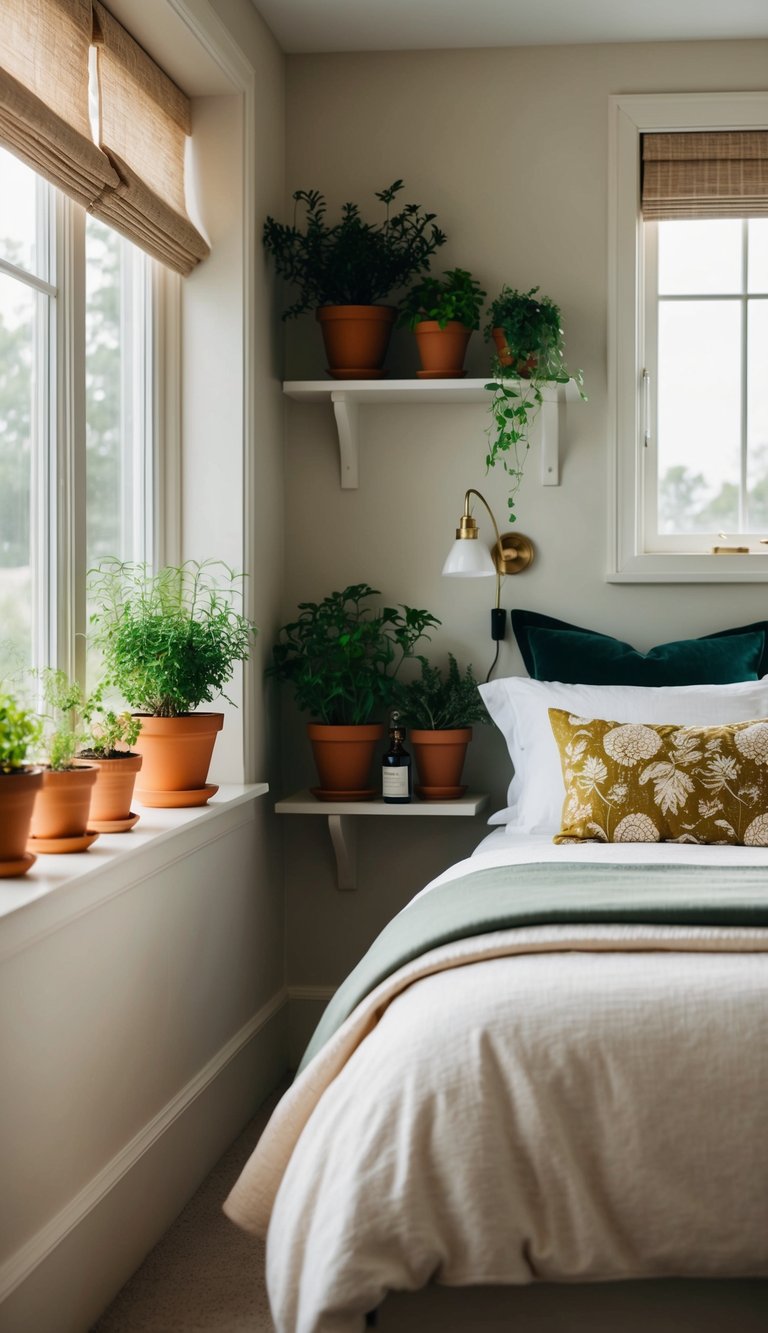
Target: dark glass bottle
(396, 776)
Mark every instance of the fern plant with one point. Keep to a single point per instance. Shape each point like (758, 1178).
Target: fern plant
(437, 702)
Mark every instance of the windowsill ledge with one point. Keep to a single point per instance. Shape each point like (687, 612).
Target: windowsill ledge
(59, 889)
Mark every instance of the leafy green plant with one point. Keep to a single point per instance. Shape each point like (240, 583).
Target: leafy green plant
(532, 330)
(62, 724)
(170, 640)
(458, 296)
(107, 734)
(342, 657)
(19, 734)
(437, 702)
(351, 262)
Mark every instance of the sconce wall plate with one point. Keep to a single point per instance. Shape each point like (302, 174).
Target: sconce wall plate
(513, 553)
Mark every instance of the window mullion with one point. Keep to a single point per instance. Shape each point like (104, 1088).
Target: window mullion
(744, 519)
(69, 542)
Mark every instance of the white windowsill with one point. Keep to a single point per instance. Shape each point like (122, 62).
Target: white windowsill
(58, 889)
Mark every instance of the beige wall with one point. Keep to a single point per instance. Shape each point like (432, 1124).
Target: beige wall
(509, 147)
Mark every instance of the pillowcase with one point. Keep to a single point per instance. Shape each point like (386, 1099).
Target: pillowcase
(519, 707)
(554, 650)
(634, 782)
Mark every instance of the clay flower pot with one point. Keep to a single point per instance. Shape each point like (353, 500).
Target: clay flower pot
(439, 757)
(18, 792)
(524, 367)
(113, 792)
(60, 817)
(343, 756)
(442, 350)
(176, 753)
(356, 338)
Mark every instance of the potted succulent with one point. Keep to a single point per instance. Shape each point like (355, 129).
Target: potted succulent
(527, 333)
(343, 660)
(170, 641)
(442, 315)
(107, 742)
(20, 783)
(440, 711)
(60, 817)
(346, 271)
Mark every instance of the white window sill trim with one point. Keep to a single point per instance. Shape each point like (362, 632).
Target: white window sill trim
(59, 889)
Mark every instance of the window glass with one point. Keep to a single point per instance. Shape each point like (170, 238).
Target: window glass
(757, 417)
(758, 255)
(18, 213)
(701, 257)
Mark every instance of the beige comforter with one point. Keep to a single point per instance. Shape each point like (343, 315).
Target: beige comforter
(563, 1103)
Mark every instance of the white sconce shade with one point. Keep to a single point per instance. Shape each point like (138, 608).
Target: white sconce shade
(468, 560)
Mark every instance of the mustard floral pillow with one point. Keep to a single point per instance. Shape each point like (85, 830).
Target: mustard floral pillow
(632, 782)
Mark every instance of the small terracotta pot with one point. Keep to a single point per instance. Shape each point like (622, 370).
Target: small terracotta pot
(356, 338)
(63, 803)
(113, 790)
(18, 793)
(524, 366)
(343, 756)
(442, 350)
(176, 753)
(439, 757)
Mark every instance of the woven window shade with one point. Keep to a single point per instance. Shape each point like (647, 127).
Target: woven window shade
(706, 174)
(145, 119)
(44, 94)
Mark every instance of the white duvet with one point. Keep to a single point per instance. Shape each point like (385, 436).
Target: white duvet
(565, 1103)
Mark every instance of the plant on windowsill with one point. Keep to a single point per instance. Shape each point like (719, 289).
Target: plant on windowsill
(170, 641)
(345, 272)
(20, 783)
(343, 659)
(60, 817)
(440, 710)
(526, 330)
(442, 315)
(107, 740)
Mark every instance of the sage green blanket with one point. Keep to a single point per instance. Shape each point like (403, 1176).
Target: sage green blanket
(550, 893)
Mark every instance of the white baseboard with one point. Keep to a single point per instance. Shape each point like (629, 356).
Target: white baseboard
(61, 1279)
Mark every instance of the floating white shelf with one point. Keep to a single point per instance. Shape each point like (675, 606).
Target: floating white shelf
(346, 397)
(341, 813)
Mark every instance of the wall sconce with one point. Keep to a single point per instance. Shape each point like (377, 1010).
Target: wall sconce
(469, 559)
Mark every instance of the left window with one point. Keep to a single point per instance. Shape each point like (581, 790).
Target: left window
(77, 411)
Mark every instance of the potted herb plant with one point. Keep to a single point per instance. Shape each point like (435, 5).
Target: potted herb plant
(60, 817)
(346, 270)
(20, 783)
(442, 314)
(440, 710)
(170, 641)
(107, 742)
(343, 659)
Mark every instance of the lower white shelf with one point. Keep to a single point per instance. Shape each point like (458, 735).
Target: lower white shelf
(340, 815)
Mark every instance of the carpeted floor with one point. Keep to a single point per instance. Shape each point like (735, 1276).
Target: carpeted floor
(205, 1274)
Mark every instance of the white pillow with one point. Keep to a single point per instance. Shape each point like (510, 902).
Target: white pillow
(519, 707)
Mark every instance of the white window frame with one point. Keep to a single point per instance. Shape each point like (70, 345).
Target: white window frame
(629, 560)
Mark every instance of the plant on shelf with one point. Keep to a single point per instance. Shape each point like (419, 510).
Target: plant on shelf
(345, 270)
(440, 709)
(442, 314)
(60, 818)
(343, 659)
(107, 742)
(20, 783)
(170, 642)
(527, 333)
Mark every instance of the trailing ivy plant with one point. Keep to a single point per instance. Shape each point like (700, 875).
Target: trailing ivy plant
(458, 296)
(351, 262)
(437, 702)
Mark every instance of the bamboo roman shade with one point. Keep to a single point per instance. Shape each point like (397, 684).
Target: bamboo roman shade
(134, 178)
(705, 174)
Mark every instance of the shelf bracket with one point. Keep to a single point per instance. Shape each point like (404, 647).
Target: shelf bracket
(344, 838)
(549, 443)
(345, 410)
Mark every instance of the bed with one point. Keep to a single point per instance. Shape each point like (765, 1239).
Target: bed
(540, 1101)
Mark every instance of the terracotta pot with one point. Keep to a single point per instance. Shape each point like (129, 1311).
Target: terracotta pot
(18, 792)
(113, 791)
(343, 756)
(439, 757)
(177, 754)
(63, 804)
(524, 367)
(442, 351)
(356, 338)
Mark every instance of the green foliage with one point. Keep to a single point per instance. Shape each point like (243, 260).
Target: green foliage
(107, 734)
(343, 658)
(19, 733)
(170, 640)
(532, 330)
(352, 262)
(434, 702)
(458, 296)
(63, 722)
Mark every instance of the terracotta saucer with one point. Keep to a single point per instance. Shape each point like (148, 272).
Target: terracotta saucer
(8, 869)
(59, 846)
(440, 793)
(115, 825)
(356, 374)
(177, 800)
(440, 374)
(366, 795)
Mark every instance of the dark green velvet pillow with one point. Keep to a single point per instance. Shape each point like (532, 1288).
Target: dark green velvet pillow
(554, 650)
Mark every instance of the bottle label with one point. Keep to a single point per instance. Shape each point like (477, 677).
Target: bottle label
(394, 781)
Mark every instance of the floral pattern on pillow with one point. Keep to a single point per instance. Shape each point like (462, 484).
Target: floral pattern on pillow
(638, 782)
